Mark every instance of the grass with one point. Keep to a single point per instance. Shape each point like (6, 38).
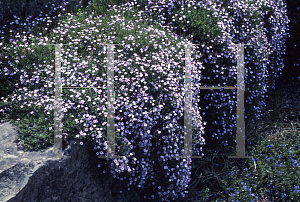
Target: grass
(272, 172)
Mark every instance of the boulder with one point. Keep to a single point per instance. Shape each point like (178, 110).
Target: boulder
(44, 176)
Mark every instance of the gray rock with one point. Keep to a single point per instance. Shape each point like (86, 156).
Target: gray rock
(43, 176)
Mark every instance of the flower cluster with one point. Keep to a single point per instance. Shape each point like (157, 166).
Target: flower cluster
(261, 26)
(149, 79)
(149, 90)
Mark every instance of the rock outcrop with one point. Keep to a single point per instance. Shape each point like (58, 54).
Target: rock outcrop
(42, 176)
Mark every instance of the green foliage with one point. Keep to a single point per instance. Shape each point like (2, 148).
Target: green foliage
(33, 131)
(198, 22)
(217, 177)
(273, 170)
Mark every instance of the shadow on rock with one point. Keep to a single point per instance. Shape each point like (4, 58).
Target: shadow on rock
(72, 177)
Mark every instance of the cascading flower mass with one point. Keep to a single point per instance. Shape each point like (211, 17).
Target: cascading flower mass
(149, 80)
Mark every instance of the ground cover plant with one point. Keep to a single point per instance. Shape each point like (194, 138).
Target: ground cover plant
(262, 24)
(147, 131)
(214, 182)
(273, 171)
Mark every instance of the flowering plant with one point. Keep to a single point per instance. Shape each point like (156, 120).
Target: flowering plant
(149, 91)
